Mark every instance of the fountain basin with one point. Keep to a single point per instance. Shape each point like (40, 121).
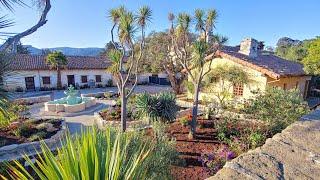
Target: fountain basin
(60, 105)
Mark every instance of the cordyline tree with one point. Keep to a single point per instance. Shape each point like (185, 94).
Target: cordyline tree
(125, 69)
(195, 58)
(57, 60)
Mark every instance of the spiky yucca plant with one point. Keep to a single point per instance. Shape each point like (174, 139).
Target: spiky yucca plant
(97, 155)
(157, 107)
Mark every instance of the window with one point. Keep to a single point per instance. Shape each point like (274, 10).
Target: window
(98, 78)
(284, 86)
(46, 80)
(84, 79)
(238, 89)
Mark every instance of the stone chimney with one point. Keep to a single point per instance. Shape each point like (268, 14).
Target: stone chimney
(249, 47)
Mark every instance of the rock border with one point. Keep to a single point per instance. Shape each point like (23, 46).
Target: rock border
(292, 154)
(101, 123)
(91, 109)
(18, 151)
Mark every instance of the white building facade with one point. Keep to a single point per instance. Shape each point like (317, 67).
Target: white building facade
(31, 72)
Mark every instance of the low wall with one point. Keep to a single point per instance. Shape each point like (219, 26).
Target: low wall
(101, 123)
(34, 100)
(18, 151)
(52, 107)
(292, 154)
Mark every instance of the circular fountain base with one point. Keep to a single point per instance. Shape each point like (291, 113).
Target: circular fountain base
(55, 106)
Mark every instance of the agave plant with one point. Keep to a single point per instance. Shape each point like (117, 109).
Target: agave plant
(157, 107)
(95, 154)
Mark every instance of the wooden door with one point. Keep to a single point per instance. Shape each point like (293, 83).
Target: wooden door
(30, 83)
(71, 80)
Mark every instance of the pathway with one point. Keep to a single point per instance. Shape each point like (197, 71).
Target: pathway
(74, 123)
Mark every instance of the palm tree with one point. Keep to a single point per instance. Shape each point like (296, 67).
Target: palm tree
(127, 25)
(57, 60)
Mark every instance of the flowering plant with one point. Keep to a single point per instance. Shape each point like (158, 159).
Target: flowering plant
(216, 160)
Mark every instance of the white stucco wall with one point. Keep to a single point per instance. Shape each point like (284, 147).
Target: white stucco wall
(91, 75)
(17, 79)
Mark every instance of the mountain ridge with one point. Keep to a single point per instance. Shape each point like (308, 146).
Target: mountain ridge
(69, 51)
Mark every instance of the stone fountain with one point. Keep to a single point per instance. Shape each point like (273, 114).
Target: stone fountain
(70, 104)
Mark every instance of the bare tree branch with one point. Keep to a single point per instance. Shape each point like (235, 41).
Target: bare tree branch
(16, 38)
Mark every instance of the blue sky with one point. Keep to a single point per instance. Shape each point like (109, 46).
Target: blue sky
(84, 23)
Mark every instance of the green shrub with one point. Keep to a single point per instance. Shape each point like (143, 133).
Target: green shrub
(107, 95)
(159, 129)
(157, 107)
(24, 130)
(278, 108)
(108, 154)
(184, 121)
(109, 83)
(38, 136)
(189, 85)
(256, 139)
(227, 127)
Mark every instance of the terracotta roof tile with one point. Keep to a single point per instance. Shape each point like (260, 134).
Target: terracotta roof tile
(34, 62)
(269, 64)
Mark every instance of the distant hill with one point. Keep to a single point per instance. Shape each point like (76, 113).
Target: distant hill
(69, 51)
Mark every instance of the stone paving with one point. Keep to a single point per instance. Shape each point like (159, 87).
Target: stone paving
(76, 122)
(84, 119)
(292, 154)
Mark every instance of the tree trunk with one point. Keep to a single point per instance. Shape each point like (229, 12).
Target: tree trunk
(59, 84)
(174, 81)
(123, 110)
(195, 109)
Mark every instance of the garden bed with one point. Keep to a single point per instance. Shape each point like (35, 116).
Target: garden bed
(204, 155)
(113, 113)
(191, 150)
(29, 130)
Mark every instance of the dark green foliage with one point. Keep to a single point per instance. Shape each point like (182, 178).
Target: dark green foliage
(157, 107)
(312, 60)
(109, 83)
(38, 136)
(277, 107)
(241, 135)
(189, 85)
(25, 130)
(294, 50)
(184, 121)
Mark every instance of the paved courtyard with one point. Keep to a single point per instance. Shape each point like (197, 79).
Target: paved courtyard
(84, 119)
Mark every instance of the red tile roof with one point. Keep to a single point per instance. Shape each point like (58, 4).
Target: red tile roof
(268, 64)
(36, 62)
